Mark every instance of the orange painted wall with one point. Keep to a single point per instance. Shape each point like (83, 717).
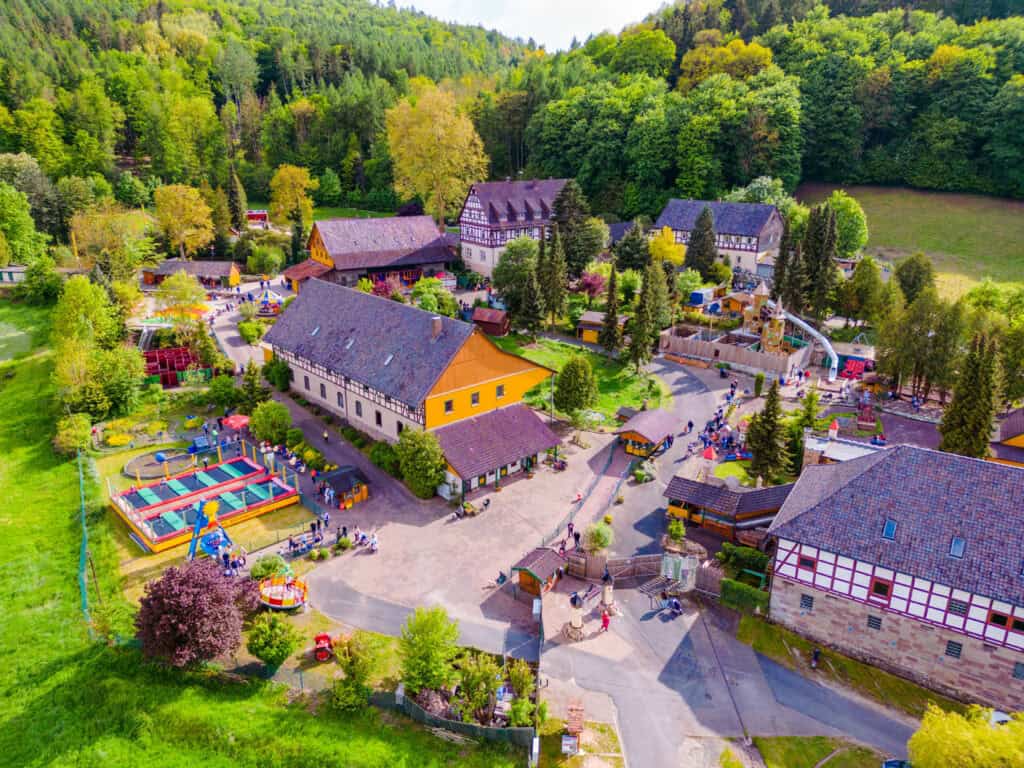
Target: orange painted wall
(480, 367)
(1016, 442)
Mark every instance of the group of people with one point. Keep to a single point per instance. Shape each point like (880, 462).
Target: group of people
(287, 455)
(359, 538)
(572, 536)
(327, 496)
(233, 561)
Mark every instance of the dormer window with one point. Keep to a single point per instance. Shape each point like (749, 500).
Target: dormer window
(889, 530)
(957, 547)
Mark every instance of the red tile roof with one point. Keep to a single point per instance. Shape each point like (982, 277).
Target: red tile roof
(495, 439)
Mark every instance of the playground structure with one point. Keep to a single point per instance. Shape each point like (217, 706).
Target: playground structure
(157, 464)
(269, 303)
(172, 367)
(164, 514)
(283, 593)
(216, 540)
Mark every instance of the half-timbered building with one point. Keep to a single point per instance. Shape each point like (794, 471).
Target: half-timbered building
(746, 234)
(497, 212)
(912, 560)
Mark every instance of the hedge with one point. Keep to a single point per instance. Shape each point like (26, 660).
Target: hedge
(742, 597)
(737, 559)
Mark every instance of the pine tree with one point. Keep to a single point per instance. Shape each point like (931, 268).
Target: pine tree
(642, 328)
(551, 276)
(766, 438)
(793, 291)
(532, 313)
(819, 253)
(569, 211)
(253, 391)
(966, 426)
(610, 337)
(657, 288)
(236, 201)
(701, 251)
(297, 250)
(632, 251)
(780, 272)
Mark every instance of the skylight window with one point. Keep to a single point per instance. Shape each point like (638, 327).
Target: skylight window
(389, 359)
(957, 547)
(889, 530)
(349, 343)
(315, 331)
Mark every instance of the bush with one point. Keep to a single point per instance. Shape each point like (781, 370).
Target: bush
(739, 558)
(272, 639)
(223, 392)
(248, 310)
(278, 373)
(265, 260)
(251, 331)
(343, 545)
(743, 597)
(607, 519)
(293, 437)
(479, 676)
(270, 421)
(267, 566)
(73, 433)
(520, 713)
(421, 461)
(598, 536)
(428, 646)
(522, 678)
(676, 530)
(383, 455)
(359, 656)
(118, 439)
(758, 383)
(155, 427)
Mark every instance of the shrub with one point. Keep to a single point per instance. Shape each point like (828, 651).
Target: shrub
(677, 530)
(118, 439)
(359, 656)
(272, 639)
(542, 713)
(251, 331)
(293, 437)
(479, 676)
(349, 433)
(156, 427)
(758, 383)
(383, 455)
(522, 678)
(267, 566)
(270, 421)
(73, 433)
(520, 713)
(278, 373)
(193, 613)
(738, 558)
(598, 536)
(421, 461)
(427, 647)
(743, 597)
(248, 310)
(728, 759)
(342, 545)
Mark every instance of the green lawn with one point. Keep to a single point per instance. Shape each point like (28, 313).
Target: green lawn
(331, 212)
(793, 651)
(807, 751)
(69, 701)
(969, 237)
(617, 382)
(737, 469)
(598, 739)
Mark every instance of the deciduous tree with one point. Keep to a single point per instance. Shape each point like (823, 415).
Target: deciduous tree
(851, 223)
(967, 740)
(289, 195)
(421, 461)
(428, 647)
(664, 248)
(914, 275)
(183, 217)
(514, 267)
(270, 421)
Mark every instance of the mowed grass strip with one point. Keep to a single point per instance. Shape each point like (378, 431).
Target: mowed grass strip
(808, 751)
(968, 237)
(70, 701)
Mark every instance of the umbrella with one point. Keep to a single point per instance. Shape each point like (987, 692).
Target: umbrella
(709, 453)
(236, 421)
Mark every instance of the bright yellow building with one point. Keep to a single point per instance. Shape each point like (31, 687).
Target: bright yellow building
(383, 367)
(1009, 448)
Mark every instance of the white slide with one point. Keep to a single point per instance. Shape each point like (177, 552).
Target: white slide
(833, 368)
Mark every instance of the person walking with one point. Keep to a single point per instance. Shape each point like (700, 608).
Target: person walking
(570, 528)
(606, 620)
(576, 538)
(326, 436)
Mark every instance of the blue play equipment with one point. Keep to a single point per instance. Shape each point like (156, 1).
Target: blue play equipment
(210, 543)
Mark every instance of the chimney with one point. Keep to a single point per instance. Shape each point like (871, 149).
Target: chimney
(435, 327)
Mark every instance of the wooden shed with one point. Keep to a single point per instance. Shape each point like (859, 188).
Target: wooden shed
(590, 323)
(538, 570)
(493, 322)
(647, 431)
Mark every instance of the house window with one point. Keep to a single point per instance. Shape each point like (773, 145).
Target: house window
(474, 398)
(957, 547)
(881, 589)
(305, 382)
(378, 419)
(449, 406)
(954, 649)
(806, 603)
(323, 391)
(399, 426)
(341, 400)
(1018, 670)
(874, 622)
(958, 607)
(359, 409)
(499, 391)
(807, 562)
(889, 530)
(1006, 622)
(366, 387)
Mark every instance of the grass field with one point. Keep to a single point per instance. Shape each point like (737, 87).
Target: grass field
(617, 382)
(70, 701)
(968, 237)
(331, 212)
(793, 651)
(807, 751)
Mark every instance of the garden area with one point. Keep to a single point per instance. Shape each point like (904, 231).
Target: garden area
(617, 382)
(69, 699)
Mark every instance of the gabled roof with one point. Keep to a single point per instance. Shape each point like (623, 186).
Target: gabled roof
(933, 497)
(494, 439)
(618, 230)
(746, 219)
(372, 340)
(541, 563)
(207, 269)
(1012, 426)
(726, 501)
(590, 317)
(489, 315)
(396, 241)
(527, 201)
(306, 269)
(654, 424)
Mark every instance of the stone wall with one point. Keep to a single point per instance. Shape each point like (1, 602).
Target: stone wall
(903, 646)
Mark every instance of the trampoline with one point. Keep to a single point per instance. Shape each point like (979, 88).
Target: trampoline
(192, 482)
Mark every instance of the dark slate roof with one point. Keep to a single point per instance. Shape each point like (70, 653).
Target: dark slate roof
(618, 230)
(373, 340)
(493, 439)
(726, 501)
(398, 241)
(344, 478)
(542, 562)
(654, 424)
(207, 269)
(746, 219)
(1012, 426)
(590, 317)
(306, 269)
(933, 497)
(513, 202)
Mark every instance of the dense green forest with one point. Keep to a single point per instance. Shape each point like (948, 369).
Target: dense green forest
(119, 96)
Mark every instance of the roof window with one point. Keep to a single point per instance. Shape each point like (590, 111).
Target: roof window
(957, 547)
(315, 331)
(889, 530)
(389, 359)
(349, 343)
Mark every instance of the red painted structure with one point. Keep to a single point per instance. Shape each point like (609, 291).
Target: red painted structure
(168, 363)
